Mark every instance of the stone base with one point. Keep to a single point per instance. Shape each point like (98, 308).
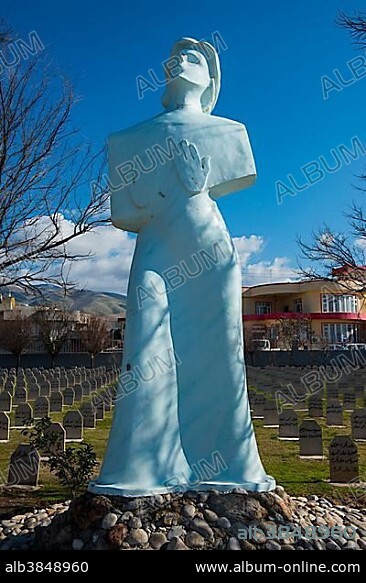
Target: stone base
(183, 521)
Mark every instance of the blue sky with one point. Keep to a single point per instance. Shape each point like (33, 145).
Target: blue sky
(277, 54)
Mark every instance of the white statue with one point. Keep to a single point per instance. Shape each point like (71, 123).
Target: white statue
(182, 402)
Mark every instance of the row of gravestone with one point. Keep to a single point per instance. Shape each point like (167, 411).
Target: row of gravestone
(45, 386)
(34, 389)
(268, 410)
(350, 392)
(288, 424)
(343, 459)
(341, 377)
(52, 402)
(74, 422)
(70, 394)
(55, 378)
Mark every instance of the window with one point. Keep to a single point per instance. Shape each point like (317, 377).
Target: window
(335, 333)
(298, 305)
(274, 332)
(339, 303)
(263, 307)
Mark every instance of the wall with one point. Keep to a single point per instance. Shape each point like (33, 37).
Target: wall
(301, 357)
(67, 360)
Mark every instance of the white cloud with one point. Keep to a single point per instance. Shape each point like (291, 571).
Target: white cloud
(262, 271)
(248, 246)
(109, 266)
(269, 272)
(361, 242)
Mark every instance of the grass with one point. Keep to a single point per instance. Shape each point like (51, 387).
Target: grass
(280, 458)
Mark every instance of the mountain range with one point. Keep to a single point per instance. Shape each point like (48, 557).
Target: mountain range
(99, 303)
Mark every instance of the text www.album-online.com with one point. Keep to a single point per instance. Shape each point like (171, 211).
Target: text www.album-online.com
(300, 567)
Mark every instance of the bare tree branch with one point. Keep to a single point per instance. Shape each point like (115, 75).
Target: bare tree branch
(356, 26)
(46, 199)
(94, 336)
(16, 335)
(53, 328)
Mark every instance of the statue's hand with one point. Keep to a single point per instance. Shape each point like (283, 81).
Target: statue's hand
(192, 169)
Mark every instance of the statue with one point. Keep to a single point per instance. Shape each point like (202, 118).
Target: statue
(181, 399)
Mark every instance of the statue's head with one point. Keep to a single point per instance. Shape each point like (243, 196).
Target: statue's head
(198, 65)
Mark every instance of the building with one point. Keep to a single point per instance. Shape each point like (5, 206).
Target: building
(319, 313)
(7, 305)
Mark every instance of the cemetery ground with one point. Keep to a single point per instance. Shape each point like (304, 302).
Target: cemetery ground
(281, 459)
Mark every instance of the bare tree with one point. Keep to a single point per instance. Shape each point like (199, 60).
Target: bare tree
(334, 256)
(295, 332)
(54, 327)
(46, 172)
(16, 335)
(356, 25)
(94, 337)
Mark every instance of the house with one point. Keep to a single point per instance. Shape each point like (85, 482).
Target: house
(323, 312)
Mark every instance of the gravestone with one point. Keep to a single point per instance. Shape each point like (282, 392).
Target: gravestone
(359, 391)
(343, 459)
(98, 405)
(55, 384)
(69, 396)
(270, 414)
(257, 404)
(4, 427)
(288, 425)
(73, 425)
(23, 414)
(63, 382)
(20, 396)
(311, 443)
(56, 402)
(88, 413)
(58, 446)
(334, 414)
(24, 466)
(358, 423)
(41, 407)
(45, 388)
(78, 390)
(77, 378)
(349, 400)
(315, 406)
(332, 392)
(86, 388)
(33, 392)
(112, 393)
(5, 402)
(107, 400)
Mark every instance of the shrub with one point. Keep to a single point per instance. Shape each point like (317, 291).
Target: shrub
(73, 467)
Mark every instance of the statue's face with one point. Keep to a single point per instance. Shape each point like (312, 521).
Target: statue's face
(194, 68)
